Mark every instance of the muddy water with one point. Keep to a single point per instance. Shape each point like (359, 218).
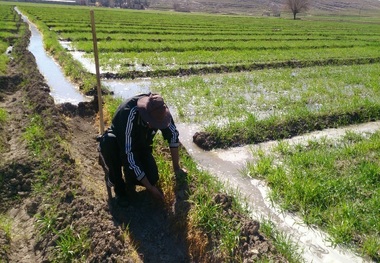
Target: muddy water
(226, 165)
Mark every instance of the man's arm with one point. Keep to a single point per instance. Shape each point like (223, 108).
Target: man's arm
(175, 159)
(171, 136)
(133, 162)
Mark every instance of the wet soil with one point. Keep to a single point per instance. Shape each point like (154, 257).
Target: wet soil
(73, 196)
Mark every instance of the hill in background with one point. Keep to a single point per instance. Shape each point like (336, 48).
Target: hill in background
(260, 7)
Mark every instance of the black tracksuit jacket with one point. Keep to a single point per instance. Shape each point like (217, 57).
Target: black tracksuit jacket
(133, 135)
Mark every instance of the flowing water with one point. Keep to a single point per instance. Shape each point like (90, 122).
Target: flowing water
(62, 90)
(226, 165)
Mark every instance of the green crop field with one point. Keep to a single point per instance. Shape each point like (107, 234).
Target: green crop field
(170, 42)
(252, 79)
(8, 29)
(283, 75)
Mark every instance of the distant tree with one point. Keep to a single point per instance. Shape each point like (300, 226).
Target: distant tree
(297, 6)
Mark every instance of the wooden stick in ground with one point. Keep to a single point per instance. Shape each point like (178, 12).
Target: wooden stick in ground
(100, 101)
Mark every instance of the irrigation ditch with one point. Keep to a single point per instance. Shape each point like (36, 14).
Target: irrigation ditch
(226, 164)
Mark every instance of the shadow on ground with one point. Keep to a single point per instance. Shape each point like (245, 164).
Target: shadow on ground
(151, 228)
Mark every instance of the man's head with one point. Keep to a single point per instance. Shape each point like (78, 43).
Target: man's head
(154, 111)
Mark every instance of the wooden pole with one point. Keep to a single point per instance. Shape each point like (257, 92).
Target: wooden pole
(100, 100)
(100, 103)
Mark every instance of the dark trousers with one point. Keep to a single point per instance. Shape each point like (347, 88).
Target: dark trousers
(115, 159)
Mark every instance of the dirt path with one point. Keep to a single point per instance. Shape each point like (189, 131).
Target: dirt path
(83, 137)
(22, 246)
(22, 230)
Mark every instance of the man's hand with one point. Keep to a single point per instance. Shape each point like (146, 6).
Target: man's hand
(180, 172)
(156, 193)
(152, 189)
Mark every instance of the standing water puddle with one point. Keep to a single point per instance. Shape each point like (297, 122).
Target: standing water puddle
(225, 164)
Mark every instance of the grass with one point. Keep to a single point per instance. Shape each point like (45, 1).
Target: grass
(6, 234)
(8, 29)
(127, 238)
(47, 222)
(331, 184)
(110, 107)
(281, 241)
(6, 226)
(71, 245)
(35, 134)
(4, 60)
(3, 116)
